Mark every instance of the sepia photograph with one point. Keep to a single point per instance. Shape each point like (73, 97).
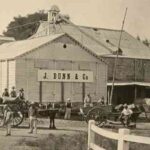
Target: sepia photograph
(74, 75)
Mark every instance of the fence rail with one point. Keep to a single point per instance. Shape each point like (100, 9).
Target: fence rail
(123, 137)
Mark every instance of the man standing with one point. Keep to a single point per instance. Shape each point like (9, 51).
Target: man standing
(21, 94)
(13, 93)
(8, 117)
(126, 115)
(5, 93)
(87, 100)
(52, 115)
(101, 101)
(68, 109)
(33, 117)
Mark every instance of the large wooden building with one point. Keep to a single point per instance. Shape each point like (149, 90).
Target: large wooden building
(132, 80)
(52, 68)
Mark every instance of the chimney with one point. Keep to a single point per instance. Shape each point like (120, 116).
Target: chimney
(52, 13)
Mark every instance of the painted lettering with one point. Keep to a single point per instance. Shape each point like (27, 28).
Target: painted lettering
(54, 76)
(63, 76)
(68, 75)
(76, 76)
(45, 76)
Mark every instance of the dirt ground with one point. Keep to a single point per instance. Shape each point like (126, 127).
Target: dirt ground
(20, 138)
(68, 133)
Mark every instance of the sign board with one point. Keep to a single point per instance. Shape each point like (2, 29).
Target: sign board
(65, 76)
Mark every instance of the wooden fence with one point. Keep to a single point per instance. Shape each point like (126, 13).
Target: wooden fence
(123, 137)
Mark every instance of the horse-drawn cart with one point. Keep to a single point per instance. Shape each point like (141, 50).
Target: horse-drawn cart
(18, 108)
(101, 113)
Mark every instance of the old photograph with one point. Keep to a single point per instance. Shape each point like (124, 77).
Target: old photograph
(74, 75)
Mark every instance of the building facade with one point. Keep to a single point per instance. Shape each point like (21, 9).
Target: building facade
(52, 68)
(133, 65)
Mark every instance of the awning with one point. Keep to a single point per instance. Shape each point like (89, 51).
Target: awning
(129, 83)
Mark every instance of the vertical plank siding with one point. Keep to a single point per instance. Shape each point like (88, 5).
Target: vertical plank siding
(54, 57)
(51, 91)
(129, 69)
(12, 74)
(4, 75)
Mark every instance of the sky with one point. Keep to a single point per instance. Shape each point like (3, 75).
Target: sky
(97, 13)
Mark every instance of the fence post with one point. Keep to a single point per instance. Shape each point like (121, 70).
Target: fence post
(123, 145)
(90, 134)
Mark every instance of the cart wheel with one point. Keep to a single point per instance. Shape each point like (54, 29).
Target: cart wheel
(96, 114)
(17, 119)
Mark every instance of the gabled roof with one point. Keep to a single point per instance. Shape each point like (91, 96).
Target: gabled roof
(104, 42)
(14, 49)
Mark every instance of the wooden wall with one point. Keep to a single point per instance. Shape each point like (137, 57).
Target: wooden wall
(55, 57)
(7, 75)
(26, 78)
(129, 69)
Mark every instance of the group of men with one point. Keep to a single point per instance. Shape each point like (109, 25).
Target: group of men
(88, 101)
(8, 118)
(8, 113)
(126, 111)
(13, 93)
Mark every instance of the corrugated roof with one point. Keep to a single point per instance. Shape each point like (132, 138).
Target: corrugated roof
(13, 49)
(108, 40)
(128, 83)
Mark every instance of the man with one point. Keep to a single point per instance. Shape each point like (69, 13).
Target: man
(5, 93)
(13, 93)
(68, 109)
(21, 94)
(101, 101)
(8, 118)
(52, 115)
(87, 100)
(33, 117)
(126, 115)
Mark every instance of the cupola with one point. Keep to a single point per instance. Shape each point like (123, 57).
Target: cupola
(52, 13)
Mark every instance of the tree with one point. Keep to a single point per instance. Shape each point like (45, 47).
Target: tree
(23, 27)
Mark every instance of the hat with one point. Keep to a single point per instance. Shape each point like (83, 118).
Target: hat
(68, 99)
(13, 87)
(125, 105)
(21, 89)
(32, 103)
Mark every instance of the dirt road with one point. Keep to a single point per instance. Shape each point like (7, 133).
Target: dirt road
(69, 135)
(22, 140)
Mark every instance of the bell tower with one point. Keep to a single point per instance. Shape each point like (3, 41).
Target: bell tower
(52, 13)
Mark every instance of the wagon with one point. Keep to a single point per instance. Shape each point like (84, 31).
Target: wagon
(18, 108)
(100, 113)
